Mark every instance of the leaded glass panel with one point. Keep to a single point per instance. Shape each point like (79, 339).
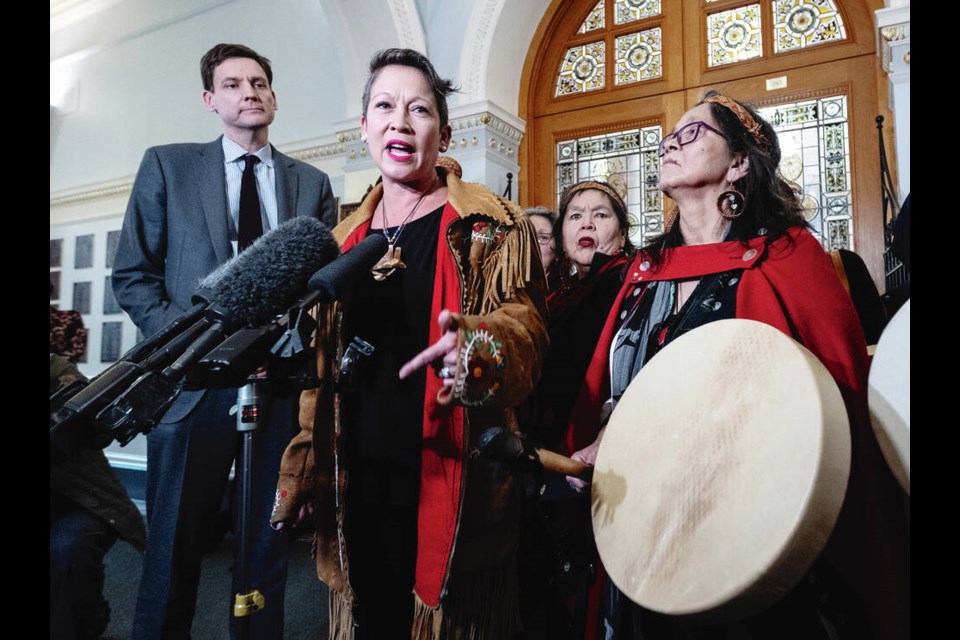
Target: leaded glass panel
(56, 252)
(625, 11)
(628, 161)
(113, 240)
(55, 285)
(112, 333)
(582, 69)
(815, 161)
(804, 23)
(639, 57)
(594, 19)
(81, 297)
(83, 251)
(110, 304)
(734, 35)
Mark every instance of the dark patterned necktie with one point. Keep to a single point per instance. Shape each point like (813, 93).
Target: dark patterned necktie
(249, 227)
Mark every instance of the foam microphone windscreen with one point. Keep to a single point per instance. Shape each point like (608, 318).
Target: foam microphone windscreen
(272, 273)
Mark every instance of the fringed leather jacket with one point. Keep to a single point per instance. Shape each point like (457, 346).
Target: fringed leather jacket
(486, 273)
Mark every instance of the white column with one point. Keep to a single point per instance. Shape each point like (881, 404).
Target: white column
(893, 47)
(485, 142)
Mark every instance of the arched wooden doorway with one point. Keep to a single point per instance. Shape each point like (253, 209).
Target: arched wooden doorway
(605, 79)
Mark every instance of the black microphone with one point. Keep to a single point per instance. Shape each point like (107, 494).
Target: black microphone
(287, 339)
(335, 278)
(246, 290)
(261, 282)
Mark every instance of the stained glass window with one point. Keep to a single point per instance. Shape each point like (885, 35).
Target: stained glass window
(628, 161)
(815, 161)
(594, 19)
(582, 69)
(734, 35)
(803, 23)
(639, 56)
(625, 11)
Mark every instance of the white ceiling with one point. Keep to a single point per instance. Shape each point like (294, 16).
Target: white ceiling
(81, 27)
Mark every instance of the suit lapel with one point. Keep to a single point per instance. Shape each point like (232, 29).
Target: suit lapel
(212, 185)
(287, 186)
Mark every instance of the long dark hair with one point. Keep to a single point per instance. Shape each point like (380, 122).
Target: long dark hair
(769, 202)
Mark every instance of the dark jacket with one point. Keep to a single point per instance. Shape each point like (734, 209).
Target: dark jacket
(89, 481)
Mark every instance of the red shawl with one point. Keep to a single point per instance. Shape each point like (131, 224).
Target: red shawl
(791, 285)
(443, 446)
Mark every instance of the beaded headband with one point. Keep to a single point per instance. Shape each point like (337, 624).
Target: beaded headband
(747, 120)
(592, 184)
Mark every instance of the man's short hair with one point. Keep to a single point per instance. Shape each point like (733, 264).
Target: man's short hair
(213, 58)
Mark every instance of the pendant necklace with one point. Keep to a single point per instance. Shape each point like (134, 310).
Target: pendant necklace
(391, 261)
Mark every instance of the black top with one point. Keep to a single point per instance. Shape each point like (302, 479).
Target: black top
(578, 312)
(393, 315)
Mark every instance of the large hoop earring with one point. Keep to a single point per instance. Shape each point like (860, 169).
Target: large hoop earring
(730, 204)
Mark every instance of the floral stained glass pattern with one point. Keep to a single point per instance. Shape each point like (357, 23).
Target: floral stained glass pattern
(594, 19)
(639, 57)
(803, 23)
(815, 162)
(628, 161)
(625, 11)
(734, 35)
(582, 69)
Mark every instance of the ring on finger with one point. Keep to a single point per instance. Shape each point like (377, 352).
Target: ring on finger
(445, 373)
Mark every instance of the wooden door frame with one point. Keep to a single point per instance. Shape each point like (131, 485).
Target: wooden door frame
(851, 68)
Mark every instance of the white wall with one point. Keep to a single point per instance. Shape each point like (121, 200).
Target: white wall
(146, 90)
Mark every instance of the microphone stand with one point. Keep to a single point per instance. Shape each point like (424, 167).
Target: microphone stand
(246, 601)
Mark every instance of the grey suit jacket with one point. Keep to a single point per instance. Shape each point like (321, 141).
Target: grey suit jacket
(175, 230)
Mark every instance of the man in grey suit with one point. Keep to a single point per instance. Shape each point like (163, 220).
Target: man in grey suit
(181, 223)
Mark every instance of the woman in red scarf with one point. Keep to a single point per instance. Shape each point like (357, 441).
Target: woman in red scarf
(557, 560)
(738, 247)
(416, 537)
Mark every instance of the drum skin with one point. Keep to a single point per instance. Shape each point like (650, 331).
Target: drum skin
(721, 472)
(888, 394)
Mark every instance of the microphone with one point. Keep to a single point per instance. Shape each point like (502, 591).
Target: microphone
(335, 278)
(287, 338)
(261, 282)
(249, 289)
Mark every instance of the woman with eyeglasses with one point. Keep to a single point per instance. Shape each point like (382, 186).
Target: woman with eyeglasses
(593, 230)
(543, 220)
(737, 247)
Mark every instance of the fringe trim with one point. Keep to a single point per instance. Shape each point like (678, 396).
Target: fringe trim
(427, 620)
(479, 606)
(340, 615)
(509, 268)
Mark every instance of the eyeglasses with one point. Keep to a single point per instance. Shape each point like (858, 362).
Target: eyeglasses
(544, 238)
(685, 135)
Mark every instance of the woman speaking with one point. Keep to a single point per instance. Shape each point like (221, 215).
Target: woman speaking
(416, 537)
